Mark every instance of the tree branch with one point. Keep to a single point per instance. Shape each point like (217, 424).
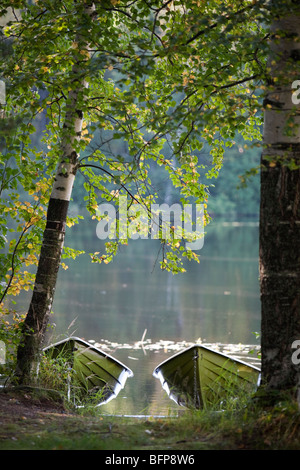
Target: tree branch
(111, 175)
(214, 25)
(12, 262)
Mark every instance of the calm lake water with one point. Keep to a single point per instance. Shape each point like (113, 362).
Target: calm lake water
(142, 315)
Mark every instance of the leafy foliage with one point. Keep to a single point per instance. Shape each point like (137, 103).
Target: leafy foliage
(165, 81)
(11, 335)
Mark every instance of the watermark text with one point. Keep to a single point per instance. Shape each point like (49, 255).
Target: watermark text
(296, 354)
(2, 352)
(161, 221)
(296, 93)
(2, 93)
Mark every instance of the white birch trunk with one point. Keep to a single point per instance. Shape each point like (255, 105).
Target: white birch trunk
(53, 239)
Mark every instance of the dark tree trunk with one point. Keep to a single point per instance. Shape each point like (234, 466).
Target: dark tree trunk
(280, 214)
(37, 318)
(280, 272)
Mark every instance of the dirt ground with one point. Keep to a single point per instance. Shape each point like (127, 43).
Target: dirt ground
(21, 413)
(17, 405)
(33, 422)
(31, 419)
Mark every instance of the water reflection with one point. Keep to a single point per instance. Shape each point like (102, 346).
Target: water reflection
(216, 301)
(143, 394)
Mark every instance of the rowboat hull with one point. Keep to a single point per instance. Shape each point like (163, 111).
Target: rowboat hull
(200, 377)
(93, 370)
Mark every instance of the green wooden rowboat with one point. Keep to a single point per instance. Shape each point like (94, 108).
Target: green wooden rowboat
(92, 369)
(200, 377)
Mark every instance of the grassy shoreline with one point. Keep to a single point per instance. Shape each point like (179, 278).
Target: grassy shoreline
(41, 423)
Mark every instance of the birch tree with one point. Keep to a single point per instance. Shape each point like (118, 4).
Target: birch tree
(58, 49)
(186, 75)
(168, 88)
(36, 321)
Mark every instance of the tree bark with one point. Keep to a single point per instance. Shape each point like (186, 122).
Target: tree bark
(280, 212)
(37, 318)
